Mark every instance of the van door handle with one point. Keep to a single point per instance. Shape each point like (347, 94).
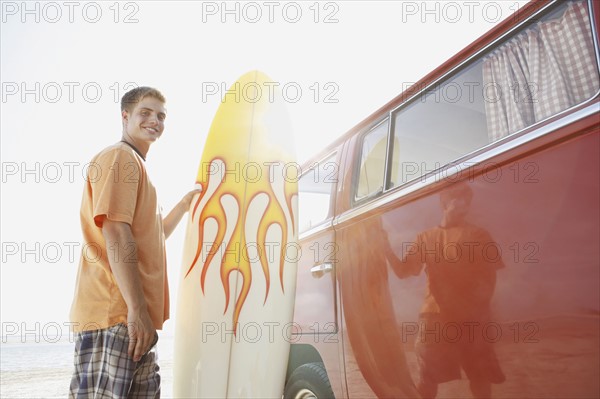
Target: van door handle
(321, 269)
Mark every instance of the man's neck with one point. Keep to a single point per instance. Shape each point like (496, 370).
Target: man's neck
(140, 148)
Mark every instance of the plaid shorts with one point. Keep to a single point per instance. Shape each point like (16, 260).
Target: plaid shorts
(103, 369)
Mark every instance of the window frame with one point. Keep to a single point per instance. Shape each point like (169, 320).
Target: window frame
(332, 196)
(357, 166)
(455, 71)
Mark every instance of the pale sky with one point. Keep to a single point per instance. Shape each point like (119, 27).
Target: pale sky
(64, 67)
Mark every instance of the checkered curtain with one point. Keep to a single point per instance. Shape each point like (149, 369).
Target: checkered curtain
(544, 70)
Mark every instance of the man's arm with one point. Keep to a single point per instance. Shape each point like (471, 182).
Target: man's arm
(174, 217)
(122, 256)
(412, 262)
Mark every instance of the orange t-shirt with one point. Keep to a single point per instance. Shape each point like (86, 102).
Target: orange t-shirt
(118, 188)
(461, 264)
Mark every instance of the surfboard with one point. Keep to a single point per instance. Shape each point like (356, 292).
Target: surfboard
(238, 278)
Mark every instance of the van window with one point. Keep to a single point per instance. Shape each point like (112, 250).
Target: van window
(315, 189)
(372, 162)
(545, 68)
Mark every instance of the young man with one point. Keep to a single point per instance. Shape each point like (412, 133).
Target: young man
(121, 295)
(461, 279)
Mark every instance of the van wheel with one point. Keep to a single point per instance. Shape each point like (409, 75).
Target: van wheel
(309, 381)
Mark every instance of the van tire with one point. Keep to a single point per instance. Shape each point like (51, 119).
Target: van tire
(309, 381)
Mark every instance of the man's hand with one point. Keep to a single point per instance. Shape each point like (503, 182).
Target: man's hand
(142, 334)
(186, 201)
(173, 218)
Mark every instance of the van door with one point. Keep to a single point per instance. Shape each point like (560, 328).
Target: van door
(315, 337)
(374, 352)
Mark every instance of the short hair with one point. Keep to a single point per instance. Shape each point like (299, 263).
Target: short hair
(457, 190)
(134, 96)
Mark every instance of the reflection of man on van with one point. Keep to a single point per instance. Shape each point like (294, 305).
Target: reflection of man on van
(460, 261)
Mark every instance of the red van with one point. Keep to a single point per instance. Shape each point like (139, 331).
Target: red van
(450, 241)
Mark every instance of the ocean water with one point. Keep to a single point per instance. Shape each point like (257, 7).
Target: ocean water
(43, 369)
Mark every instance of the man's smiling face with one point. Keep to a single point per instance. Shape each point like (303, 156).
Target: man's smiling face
(146, 122)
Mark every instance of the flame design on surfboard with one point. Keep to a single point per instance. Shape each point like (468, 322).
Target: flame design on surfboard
(241, 173)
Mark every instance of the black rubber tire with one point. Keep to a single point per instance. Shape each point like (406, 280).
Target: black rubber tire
(306, 379)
